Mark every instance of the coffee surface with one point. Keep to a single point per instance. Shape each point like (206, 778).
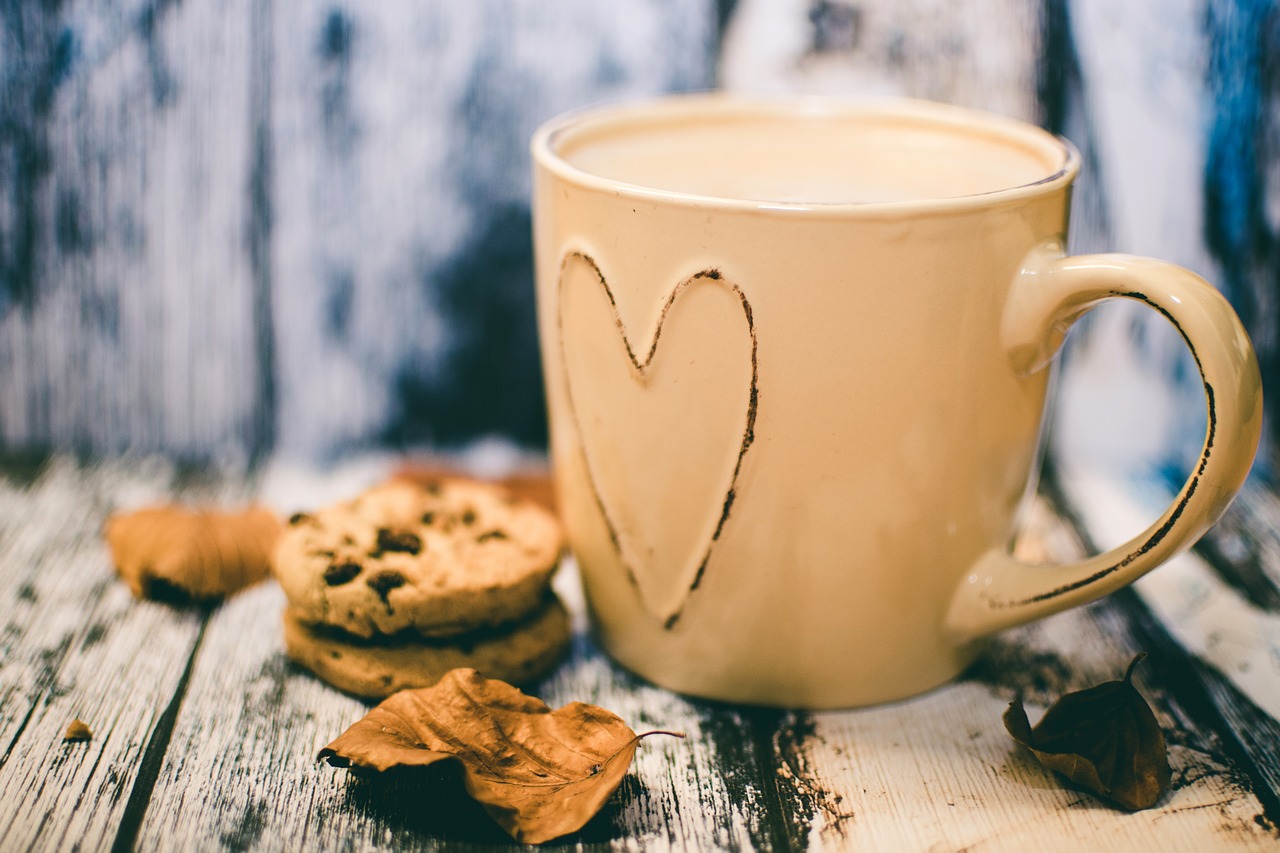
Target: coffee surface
(839, 158)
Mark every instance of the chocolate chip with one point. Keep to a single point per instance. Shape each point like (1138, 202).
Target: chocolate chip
(383, 582)
(299, 517)
(469, 517)
(401, 541)
(433, 487)
(491, 534)
(340, 573)
(428, 518)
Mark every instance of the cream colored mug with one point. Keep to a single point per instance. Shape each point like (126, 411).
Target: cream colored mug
(796, 362)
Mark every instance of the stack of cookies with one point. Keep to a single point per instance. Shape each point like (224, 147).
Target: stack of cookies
(395, 588)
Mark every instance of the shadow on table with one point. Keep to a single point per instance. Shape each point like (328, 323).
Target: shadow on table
(428, 805)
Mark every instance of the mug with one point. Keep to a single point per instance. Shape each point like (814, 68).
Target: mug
(796, 357)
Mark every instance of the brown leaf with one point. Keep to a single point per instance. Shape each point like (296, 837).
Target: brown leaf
(171, 552)
(1105, 739)
(533, 484)
(77, 730)
(539, 773)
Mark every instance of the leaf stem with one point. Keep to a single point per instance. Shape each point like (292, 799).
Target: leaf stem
(1133, 664)
(680, 735)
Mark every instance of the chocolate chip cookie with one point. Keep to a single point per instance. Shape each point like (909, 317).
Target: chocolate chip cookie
(519, 653)
(440, 558)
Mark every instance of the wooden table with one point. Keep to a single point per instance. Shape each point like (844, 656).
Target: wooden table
(205, 736)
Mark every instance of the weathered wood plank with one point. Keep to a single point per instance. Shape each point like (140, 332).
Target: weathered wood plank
(76, 645)
(223, 223)
(241, 769)
(135, 324)
(709, 791)
(940, 772)
(402, 239)
(979, 53)
(1136, 105)
(48, 527)
(205, 737)
(1244, 546)
(1234, 640)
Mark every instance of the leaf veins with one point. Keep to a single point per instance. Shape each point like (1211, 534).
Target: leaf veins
(1104, 739)
(540, 773)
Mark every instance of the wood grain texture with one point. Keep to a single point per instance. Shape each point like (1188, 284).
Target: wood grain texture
(1244, 546)
(1230, 639)
(227, 227)
(241, 769)
(978, 53)
(945, 768)
(1129, 393)
(205, 736)
(232, 227)
(77, 645)
(1171, 106)
(404, 284)
(707, 791)
(133, 322)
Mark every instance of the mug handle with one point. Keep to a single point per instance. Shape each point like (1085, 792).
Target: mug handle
(1049, 294)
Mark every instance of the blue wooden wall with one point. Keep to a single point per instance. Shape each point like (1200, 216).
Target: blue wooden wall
(233, 228)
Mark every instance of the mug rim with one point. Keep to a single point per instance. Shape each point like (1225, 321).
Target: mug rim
(551, 134)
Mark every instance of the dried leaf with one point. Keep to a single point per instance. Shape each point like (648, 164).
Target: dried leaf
(172, 552)
(1105, 739)
(77, 730)
(539, 773)
(532, 485)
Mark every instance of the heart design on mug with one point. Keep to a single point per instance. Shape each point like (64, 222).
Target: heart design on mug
(663, 429)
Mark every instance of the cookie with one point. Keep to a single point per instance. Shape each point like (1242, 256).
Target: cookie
(439, 558)
(518, 653)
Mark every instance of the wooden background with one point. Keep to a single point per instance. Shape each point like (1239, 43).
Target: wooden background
(294, 229)
(235, 228)
(205, 735)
